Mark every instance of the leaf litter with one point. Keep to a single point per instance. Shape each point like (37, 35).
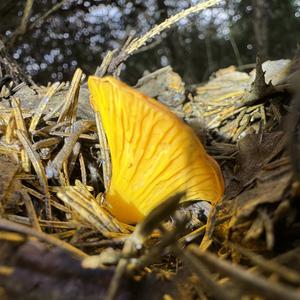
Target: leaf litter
(49, 198)
(58, 238)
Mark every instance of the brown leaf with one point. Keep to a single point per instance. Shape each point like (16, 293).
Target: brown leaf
(254, 154)
(266, 192)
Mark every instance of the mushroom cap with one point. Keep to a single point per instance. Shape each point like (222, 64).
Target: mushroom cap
(154, 154)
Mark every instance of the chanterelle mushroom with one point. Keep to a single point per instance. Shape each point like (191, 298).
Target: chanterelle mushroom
(153, 153)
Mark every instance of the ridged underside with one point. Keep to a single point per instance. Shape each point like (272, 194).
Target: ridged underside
(154, 154)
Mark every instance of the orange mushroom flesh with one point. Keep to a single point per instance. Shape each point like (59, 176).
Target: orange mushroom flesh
(154, 154)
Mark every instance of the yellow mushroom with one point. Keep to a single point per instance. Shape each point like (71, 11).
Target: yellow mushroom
(153, 153)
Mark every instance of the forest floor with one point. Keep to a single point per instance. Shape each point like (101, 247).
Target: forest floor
(58, 241)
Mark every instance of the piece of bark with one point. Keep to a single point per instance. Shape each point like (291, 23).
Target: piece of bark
(30, 100)
(165, 85)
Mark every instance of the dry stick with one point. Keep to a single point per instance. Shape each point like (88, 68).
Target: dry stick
(21, 30)
(115, 282)
(42, 106)
(128, 250)
(136, 239)
(104, 150)
(235, 49)
(23, 25)
(168, 238)
(21, 126)
(39, 169)
(13, 227)
(259, 284)
(72, 98)
(55, 166)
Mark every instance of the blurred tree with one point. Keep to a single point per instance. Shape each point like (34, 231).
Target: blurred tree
(64, 34)
(260, 24)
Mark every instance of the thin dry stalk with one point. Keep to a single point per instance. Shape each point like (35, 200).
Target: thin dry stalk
(168, 241)
(257, 283)
(9, 150)
(211, 222)
(104, 151)
(42, 106)
(51, 114)
(46, 143)
(139, 42)
(31, 212)
(66, 173)
(10, 128)
(82, 136)
(81, 200)
(73, 158)
(44, 223)
(6, 225)
(269, 265)
(100, 71)
(20, 124)
(69, 110)
(82, 169)
(41, 197)
(113, 61)
(56, 165)
(42, 19)
(116, 280)
(137, 238)
(24, 21)
(39, 169)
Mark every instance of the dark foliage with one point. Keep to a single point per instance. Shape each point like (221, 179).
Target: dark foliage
(80, 32)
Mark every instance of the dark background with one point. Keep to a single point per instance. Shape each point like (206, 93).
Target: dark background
(79, 32)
